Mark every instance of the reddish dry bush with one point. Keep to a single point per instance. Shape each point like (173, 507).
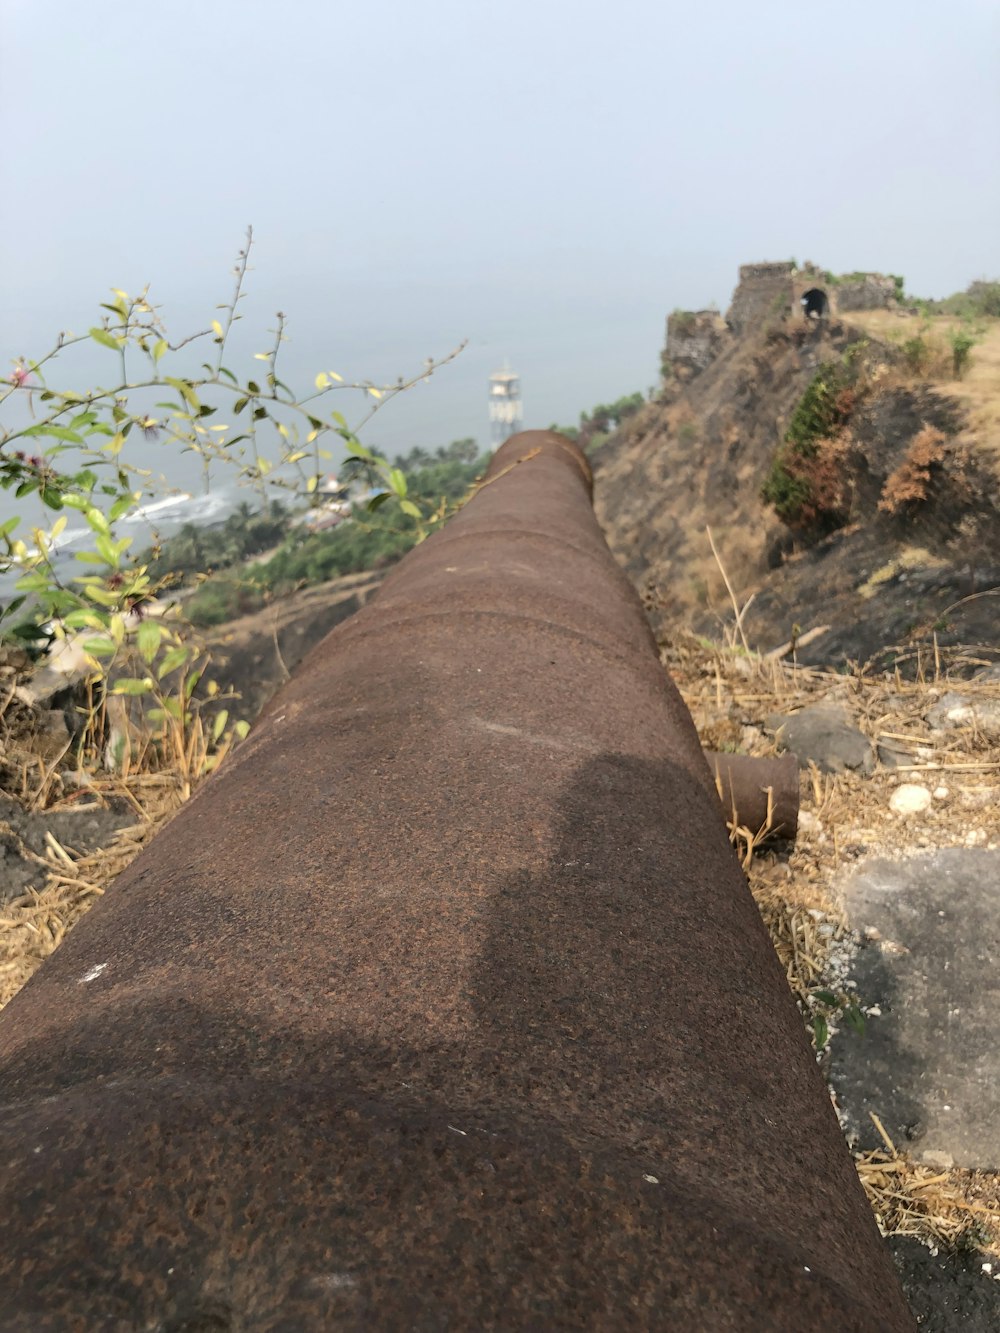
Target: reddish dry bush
(826, 477)
(844, 401)
(908, 485)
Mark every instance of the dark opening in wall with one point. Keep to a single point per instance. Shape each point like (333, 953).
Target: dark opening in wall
(815, 303)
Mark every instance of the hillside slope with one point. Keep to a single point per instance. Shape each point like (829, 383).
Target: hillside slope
(879, 572)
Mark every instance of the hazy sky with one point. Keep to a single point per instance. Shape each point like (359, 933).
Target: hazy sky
(547, 179)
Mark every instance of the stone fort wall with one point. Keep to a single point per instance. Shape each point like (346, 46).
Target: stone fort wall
(694, 338)
(769, 294)
(764, 292)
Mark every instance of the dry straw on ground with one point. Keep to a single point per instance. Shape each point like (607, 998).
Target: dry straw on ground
(730, 694)
(35, 924)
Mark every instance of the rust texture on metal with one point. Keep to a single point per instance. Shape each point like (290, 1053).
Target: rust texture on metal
(444, 1005)
(761, 795)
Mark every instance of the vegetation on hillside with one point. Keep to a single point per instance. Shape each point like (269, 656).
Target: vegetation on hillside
(597, 425)
(370, 539)
(980, 300)
(806, 483)
(70, 449)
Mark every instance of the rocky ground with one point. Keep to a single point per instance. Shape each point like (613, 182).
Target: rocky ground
(888, 903)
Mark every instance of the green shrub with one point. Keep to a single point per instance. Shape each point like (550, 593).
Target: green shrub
(917, 353)
(801, 485)
(821, 409)
(962, 342)
(787, 494)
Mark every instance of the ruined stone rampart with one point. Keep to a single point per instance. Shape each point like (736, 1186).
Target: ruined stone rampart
(866, 291)
(694, 338)
(765, 291)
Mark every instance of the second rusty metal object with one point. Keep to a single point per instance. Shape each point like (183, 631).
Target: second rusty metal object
(758, 794)
(444, 1005)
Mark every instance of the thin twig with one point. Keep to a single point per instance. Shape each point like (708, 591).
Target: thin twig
(732, 596)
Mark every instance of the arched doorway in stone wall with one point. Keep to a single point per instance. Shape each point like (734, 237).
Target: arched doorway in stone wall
(815, 303)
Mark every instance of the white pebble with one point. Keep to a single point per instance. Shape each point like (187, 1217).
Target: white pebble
(909, 799)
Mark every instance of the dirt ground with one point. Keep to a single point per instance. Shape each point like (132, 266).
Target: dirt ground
(944, 1224)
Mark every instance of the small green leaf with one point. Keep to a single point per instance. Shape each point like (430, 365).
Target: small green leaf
(377, 501)
(185, 390)
(97, 521)
(855, 1019)
(159, 348)
(101, 595)
(120, 506)
(176, 657)
(821, 1032)
(100, 647)
(32, 583)
(106, 339)
(826, 997)
(83, 620)
(219, 725)
(132, 686)
(106, 549)
(397, 480)
(148, 638)
(408, 507)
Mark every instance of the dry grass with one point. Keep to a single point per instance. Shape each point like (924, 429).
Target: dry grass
(979, 388)
(35, 924)
(155, 770)
(730, 694)
(942, 1208)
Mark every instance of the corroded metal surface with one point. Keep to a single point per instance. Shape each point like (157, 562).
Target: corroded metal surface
(761, 795)
(443, 1006)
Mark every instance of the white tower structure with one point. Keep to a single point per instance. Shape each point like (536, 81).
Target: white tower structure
(505, 404)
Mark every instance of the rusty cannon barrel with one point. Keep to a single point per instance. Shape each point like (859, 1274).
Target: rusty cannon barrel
(443, 1005)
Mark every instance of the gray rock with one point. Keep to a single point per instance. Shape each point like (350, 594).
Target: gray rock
(891, 754)
(954, 710)
(928, 1064)
(826, 736)
(64, 667)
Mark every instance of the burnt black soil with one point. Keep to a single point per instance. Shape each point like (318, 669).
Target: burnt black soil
(956, 605)
(947, 1292)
